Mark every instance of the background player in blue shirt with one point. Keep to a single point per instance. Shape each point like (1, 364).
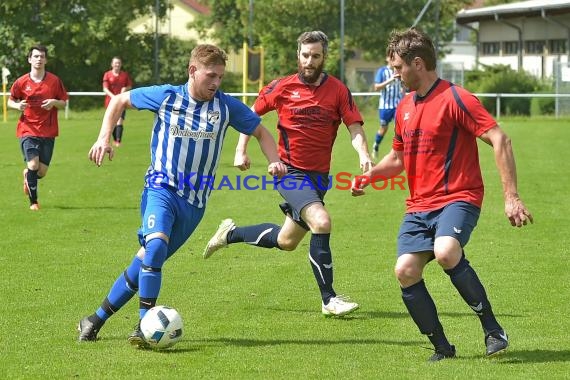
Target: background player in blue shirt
(391, 92)
(190, 123)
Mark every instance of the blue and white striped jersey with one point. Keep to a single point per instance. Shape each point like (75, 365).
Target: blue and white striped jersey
(390, 95)
(187, 137)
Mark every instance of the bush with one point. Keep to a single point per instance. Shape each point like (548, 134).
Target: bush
(503, 79)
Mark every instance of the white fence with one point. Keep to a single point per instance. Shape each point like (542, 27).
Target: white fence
(559, 99)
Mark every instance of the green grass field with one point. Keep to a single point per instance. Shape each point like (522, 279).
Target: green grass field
(255, 314)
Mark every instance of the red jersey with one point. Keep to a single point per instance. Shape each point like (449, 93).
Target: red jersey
(438, 136)
(115, 83)
(36, 121)
(308, 118)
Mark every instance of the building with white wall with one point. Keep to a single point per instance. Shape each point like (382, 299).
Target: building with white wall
(529, 35)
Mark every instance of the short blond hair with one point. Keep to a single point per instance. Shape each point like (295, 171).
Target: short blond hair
(208, 55)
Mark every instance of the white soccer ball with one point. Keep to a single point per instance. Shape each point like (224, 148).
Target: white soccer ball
(162, 327)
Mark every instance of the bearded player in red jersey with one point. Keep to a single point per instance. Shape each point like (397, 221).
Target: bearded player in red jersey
(38, 95)
(435, 142)
(310, 106)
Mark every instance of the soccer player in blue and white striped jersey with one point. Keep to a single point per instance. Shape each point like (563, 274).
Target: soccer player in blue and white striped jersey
(391, 92)
(190, 123)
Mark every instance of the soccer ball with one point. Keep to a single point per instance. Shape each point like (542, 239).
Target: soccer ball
(162, 327)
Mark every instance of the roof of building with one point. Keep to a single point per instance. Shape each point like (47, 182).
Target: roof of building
(196, 5)
(531, 8)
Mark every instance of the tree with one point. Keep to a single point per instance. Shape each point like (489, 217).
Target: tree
(81, 35)
(278, 23)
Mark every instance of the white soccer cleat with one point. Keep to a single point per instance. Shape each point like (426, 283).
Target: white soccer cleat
(339, 306)
(220, 238)
(375, 152)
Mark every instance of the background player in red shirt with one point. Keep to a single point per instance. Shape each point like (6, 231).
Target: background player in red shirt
(38, 95)
(310, 106)
(435, 142)
(116, 81)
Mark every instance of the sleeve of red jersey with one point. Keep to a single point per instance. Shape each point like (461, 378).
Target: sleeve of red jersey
(129, 80)
(266, 99)
(472, 115)
(349, 110)
(15, 93)
(62, 92)
(397, 142)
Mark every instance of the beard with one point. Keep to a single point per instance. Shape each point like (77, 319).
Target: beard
(310, 78)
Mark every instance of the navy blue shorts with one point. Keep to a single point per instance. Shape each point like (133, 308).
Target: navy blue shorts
(419, 229)
(41, 147)
(300, 188)
(162, 210)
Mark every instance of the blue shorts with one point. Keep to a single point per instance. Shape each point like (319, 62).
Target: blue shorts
(41, 147)
(300, 188)
(386, 115)
(162, 210)
(419, 229)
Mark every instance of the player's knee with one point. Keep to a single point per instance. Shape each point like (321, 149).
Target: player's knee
(287, 244)
(407, 274)
(447, 259)
(33, 166)
(42, 172)
(320, 224)
(156, 251)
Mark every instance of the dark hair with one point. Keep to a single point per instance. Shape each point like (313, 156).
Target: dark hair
(311, 37)
(410, 44)
(38, 47)
(208, 55)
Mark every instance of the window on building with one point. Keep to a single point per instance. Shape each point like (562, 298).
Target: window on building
(491, 48)
(510, 47)
(557, 46)
(462, 34)
(534, 47)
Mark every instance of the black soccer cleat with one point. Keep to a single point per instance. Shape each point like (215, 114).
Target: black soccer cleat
(87, 330)
(443, 354)
(136, 339)
(496, 342)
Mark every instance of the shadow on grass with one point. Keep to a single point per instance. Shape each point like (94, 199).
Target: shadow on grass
(361, 314)
(243, 342)
(358, 314)
(471, 314)
(180, 348)
(535, 356)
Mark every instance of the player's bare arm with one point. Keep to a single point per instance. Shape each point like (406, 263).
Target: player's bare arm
(515, 210)
(48, 104)
(269, 149)
(241, 159)
(392, 164)
(358, 138)
(381, 86)
(17, 105)
(113, 112)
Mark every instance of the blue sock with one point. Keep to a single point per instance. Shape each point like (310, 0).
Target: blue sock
(422, 309)
(469, 286)
(320, 257)
(378, 139)
(124, 288)
(261, 235)
(150, 275)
